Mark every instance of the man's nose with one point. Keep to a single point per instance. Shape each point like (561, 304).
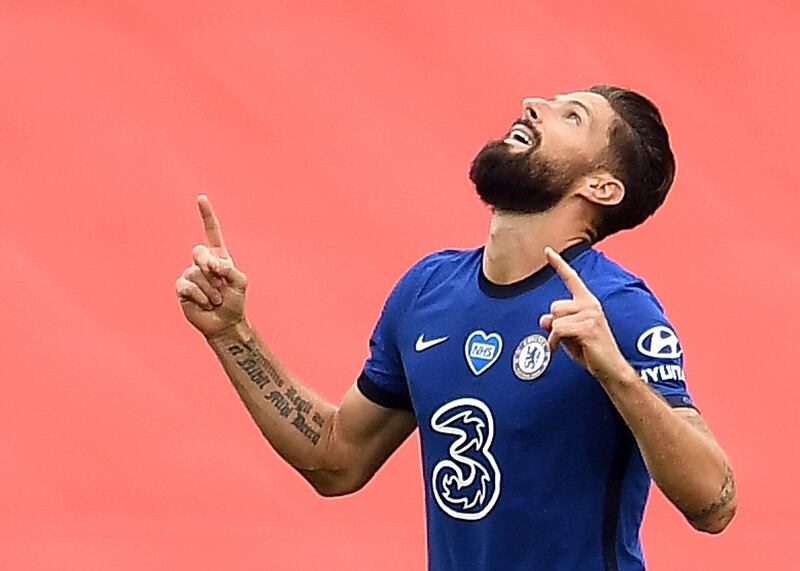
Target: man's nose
(533, 108)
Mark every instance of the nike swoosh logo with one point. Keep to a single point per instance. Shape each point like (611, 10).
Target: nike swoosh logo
(422, 344)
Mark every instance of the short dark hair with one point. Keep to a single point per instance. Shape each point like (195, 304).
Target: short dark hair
(640, 156)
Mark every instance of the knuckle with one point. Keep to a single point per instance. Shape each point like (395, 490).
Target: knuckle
(192, 281)
(199, 251)
(226, 265)
(192, 272)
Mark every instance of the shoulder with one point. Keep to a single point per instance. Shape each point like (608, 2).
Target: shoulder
(643, 332)
(632, 309)
(438, 267)
(613, 285)
(429, 272)
(634, 313)
(445, 259)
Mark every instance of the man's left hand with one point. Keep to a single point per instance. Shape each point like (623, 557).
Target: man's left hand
(580, 325)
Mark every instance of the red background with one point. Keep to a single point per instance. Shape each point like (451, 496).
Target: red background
(334, 139)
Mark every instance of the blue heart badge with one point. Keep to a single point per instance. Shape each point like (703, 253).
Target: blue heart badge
(482, 350)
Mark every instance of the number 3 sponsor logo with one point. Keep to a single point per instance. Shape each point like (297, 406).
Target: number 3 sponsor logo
(466, 484)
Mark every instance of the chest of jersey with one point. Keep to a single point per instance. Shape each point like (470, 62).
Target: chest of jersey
(492, 399)
(526, 463)
(472, 346)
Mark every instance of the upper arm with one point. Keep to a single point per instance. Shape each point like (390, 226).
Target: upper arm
(376, 415)
(648, 341)
(364, 434)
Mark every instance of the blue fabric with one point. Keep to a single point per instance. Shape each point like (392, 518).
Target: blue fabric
(527, 464)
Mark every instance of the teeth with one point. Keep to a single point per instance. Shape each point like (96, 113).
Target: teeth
(521, 136)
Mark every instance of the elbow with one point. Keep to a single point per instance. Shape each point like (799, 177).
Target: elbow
(333, 490)
(712, 528)
(340, 471)
(716, 523)
(335, 484)
(719, 514)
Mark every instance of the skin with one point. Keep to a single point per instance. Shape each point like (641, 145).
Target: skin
(681, 454)
(354, 438)
(683, 457)
(515, 248)
(339, 448)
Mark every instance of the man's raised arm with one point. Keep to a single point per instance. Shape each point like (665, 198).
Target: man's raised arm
(684, 459)
(337, 449)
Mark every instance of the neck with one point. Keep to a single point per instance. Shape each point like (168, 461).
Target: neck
(515, 248)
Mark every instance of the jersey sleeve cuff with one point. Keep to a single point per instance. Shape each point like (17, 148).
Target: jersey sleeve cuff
(381, 396)
(679, 401)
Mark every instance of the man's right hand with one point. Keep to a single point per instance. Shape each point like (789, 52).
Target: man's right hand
(212, 290)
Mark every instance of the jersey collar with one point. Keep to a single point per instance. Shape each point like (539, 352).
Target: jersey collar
(528, 283)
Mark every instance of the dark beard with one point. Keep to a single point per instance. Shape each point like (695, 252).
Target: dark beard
(517, 182)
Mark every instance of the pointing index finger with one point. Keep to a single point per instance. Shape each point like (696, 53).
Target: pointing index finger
(574, 282)
(210, 223)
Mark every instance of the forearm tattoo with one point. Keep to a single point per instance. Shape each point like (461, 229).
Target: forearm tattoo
(287, 400)
(258, 369)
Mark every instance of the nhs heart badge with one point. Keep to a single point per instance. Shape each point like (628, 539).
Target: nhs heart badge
(482, 350)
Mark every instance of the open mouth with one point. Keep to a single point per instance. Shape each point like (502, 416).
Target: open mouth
(521, 135)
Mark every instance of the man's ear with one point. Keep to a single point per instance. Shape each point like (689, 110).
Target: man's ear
(602, 188)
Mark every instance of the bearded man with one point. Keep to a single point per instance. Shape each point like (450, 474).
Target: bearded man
(545, 380)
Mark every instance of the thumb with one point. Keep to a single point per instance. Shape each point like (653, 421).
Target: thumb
(546, 323)
(553, 340)
(224, 268)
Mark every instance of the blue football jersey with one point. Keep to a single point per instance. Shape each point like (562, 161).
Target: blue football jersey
(527, 464)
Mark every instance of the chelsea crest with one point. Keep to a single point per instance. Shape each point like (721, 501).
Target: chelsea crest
(531, 357)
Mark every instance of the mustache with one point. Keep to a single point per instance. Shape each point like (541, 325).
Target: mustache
(526, 122)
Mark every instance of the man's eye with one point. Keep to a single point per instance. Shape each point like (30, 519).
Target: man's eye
(574, 117)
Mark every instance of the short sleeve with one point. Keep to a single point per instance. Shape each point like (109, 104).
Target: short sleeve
(648, 341)
(383, 379)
